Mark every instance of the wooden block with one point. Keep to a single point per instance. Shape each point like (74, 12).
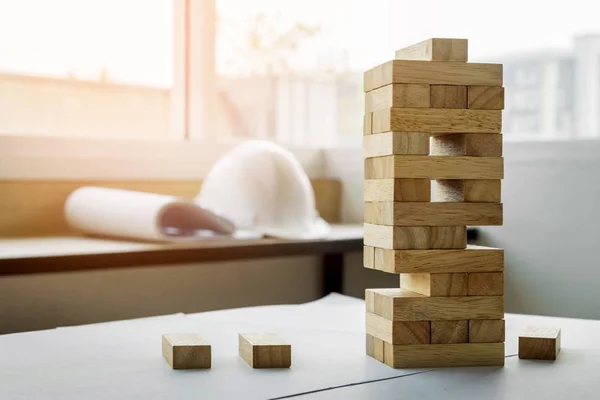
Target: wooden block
(404, 95)
(447, 96)
(446, 73)
(397, 190)
(435, 285)
(436, 121)
(444, 332)
(486, 97)
(472, 259)
(467, 144)
(430, 167)
(486, 331)
(369, 257)
(388, 143)
(415, 237)
(265, 350)
(486, 284)
(367, 124)
(186, 351)
(432, 214)
(468, 190)
(398, 332)
(436, 49)
(404, 305)
(375, 348)
(443, 355)
(539, 343)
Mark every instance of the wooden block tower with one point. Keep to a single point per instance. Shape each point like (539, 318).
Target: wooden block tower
(431, 116)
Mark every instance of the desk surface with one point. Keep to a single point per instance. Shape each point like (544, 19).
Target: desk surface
(123, 360)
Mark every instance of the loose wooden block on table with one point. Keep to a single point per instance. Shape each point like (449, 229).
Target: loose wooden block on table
(539, 343)
(435, 285)
(486, 330)
(415, 237)
(468, 190)
(433, 73)
(447, 96)
(398, 332)
(436, 121)
(467, 144)
(367, 124)
(399, 95)
(265, 350)
(486, 284)
(186, 351)
(472, 259)
(404, 305)
(443, 332)
(433, 167)
(432, 214)
(388, 143)
(436, 49)
(397, 190)
(485, 97)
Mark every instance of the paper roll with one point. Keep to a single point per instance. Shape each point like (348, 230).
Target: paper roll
(142, 216)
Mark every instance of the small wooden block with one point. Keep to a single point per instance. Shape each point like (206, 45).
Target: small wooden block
(431, 167)
(433, 73)
(468, 190)
(404, 95)
(443, 355)
(435, 285)
(375, 348)
(432, 214)
(486, 284)
(436, 121)
(186, 351)
(399, 332)
(367, 124)
(404, 305)
(443, 332)
(539, 343)
(265, 350)
(448, 96)
(472, 259)
(467, 144)
(415, 237)
(436, 49)
(486, 331)
(389, 143)
(397, 190)
(369, 257)
(486, 97)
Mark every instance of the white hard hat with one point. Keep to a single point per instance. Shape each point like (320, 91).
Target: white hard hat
(260, 186)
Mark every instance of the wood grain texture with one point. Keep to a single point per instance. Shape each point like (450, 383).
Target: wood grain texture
(539, 343)
(367, 124)
(436, 49)
(433, 73)
(447, 96)
(486, 284)
(435, 285)
(265, 350)
(418, 190)
(486, 331)
(485, 97)
(467, 144)
(432, 214)
(443, 355)
(431, 167)
(369, 257)
(399, 332)
(403, 305)
(404, 95)
(186, 351)
(448, 237)
(444, 332)
(468, 190)
(374, 347)
(472, 259)
(436, 121)
(389, 143)
(415, 237)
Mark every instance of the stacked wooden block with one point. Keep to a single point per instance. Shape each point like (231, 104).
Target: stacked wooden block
(431, 116)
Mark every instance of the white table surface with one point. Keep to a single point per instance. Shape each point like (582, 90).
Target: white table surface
(122, 360)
